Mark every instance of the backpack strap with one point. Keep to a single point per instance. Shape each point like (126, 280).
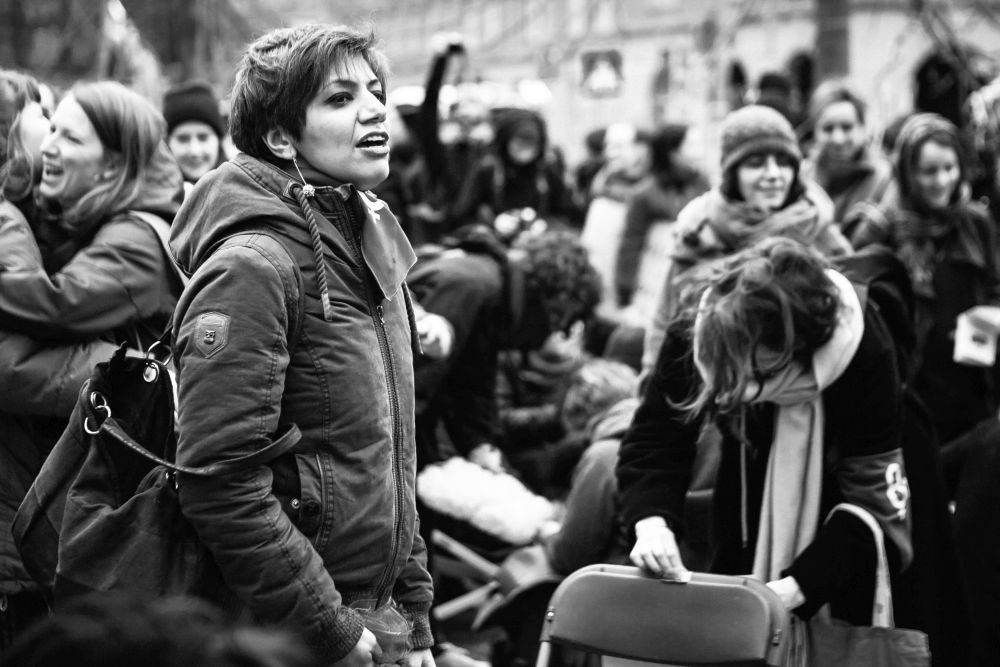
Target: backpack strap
(284, 443)
(162, 231)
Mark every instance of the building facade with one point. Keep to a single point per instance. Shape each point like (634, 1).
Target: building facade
(649, 61)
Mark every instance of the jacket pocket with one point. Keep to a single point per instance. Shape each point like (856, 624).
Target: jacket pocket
(297, 487)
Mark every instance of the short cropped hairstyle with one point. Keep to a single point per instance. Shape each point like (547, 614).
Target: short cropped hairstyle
(280, 74)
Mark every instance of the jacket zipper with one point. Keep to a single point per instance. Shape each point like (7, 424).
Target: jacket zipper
(378, 318)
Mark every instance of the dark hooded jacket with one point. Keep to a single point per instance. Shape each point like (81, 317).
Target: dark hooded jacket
(951, 256)
(257, 352)
(498, 185)
(114, 286)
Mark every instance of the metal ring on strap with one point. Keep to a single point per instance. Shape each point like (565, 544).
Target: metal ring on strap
(160, 344)
(98, 402)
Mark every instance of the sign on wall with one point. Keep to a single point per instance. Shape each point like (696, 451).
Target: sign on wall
(602, 73)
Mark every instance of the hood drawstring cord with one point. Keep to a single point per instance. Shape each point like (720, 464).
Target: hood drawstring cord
(743, 477)
(303, 195)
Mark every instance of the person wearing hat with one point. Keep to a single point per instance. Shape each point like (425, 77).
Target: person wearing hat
(761, 194)
(670, 185)
(195, 128)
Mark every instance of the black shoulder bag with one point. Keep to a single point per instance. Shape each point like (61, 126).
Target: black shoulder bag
(103, 512)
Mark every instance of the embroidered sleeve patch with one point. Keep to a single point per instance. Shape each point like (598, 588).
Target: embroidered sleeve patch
(211, 333)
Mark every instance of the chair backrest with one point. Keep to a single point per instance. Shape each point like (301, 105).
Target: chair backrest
(618, 611)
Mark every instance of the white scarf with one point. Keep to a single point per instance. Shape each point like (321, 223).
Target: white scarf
(789, 513)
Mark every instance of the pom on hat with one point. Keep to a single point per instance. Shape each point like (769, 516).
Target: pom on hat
(756, 129)
(192, 101)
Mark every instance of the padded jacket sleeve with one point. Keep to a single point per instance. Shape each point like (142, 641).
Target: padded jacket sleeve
(464, 384)
(413, 591)
(38, 378)
(658, 450)
(229, 405)
(116, 279)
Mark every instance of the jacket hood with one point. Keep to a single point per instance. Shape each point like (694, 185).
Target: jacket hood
(614, 421)
(226, 200)
(506, 124)
(246, 193)
(163, 185)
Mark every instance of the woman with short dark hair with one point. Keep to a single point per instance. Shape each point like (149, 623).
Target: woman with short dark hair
(297, 316)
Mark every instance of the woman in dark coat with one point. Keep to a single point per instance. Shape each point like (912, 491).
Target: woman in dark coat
(949, 246)
(778, 351)
(97, 277)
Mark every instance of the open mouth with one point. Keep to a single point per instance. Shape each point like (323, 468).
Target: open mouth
(374, 140)
(51, 170)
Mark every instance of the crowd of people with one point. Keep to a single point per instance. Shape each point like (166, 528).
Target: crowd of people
(690, 373)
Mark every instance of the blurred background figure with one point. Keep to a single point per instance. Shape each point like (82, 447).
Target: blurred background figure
(120, 631)
(626, 164)
(774, 89)
(519, 183)
(948, 244)
(586, 170)
(643, 256)
(842, 161)
(195, 129)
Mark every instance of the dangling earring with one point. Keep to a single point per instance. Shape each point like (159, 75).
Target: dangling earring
(307, 190)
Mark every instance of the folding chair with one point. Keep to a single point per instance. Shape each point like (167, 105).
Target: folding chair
(615, 610)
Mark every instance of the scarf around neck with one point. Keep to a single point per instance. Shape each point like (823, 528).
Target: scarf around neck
(790, 507)
(919, 234)
(712, 226)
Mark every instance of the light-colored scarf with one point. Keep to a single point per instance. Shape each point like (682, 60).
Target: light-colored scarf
(790, 507)
(711, 226)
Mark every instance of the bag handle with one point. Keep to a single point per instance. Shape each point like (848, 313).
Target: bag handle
(162, 231)
(882, 616)
(283, 444)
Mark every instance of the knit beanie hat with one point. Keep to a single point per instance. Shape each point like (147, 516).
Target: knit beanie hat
(192, 101)
(754, 129)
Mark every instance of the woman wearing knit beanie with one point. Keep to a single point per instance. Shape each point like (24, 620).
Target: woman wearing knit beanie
(760, 195)
(195, 128)
(853, 173)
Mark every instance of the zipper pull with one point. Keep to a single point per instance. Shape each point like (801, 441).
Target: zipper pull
(381, 313)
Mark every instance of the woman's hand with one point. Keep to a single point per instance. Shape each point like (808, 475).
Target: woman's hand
(656, 549)
(421, 658)
(789, 592)
(366, 653)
